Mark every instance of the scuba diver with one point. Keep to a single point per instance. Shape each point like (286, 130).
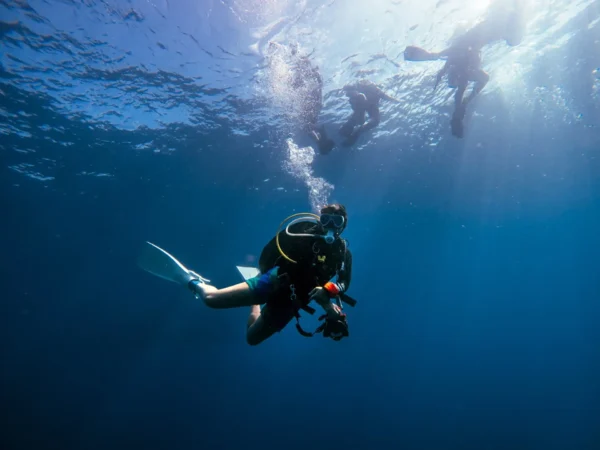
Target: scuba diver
(364, 99)
(463, 58)
(296, 267)
(307, 84)
(307, 80)
(463, 65)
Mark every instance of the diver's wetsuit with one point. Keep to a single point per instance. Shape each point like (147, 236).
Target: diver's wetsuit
(364, 99)
(317, 263)
(464, 56)
(462, 66)
(307, 80)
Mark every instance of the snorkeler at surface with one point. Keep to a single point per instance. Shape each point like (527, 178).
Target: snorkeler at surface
(364, 99)
(295, 268)
(463, 59)
(463, 65)
(307, 83)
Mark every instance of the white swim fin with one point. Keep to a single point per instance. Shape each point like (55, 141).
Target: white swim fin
(164, 265)
(247, 272)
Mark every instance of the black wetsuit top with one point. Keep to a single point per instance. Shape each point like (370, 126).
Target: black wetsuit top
(317, 261)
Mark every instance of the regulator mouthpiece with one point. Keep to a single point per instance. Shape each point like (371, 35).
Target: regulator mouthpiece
(329, 237)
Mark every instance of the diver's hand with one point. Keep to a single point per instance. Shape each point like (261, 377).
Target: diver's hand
(335, 312)
(319, 295)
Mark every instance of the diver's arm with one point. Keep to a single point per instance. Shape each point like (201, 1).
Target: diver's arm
(384, 96)
(375, 91)
(443, 54)
(345, 275)
(331, 309)
(323, 297)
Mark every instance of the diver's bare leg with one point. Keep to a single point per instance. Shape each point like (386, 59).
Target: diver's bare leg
(259, 329)
(254, 315)
(235, 296)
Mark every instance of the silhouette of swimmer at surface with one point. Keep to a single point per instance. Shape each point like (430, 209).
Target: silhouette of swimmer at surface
(307, 82)
(364, 99)
(463, 60)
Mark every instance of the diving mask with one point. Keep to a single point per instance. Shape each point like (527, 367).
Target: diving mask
(332, 220)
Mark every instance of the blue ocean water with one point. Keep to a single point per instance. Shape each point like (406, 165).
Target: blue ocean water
(475, 259)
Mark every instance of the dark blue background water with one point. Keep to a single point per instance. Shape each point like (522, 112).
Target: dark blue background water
(475, 267)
